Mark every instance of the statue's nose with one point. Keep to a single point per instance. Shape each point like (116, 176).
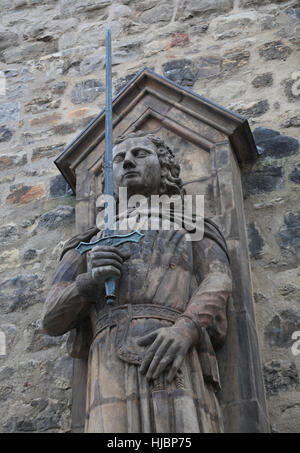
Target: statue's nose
(129, 161)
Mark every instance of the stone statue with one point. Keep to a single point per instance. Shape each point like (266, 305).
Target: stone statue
(152, 364)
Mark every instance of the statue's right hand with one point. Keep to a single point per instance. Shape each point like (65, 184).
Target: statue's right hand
(105, 262)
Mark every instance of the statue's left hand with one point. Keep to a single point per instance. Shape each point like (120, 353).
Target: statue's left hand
(169, 346)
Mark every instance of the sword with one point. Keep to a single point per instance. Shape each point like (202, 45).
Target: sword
(109, 238)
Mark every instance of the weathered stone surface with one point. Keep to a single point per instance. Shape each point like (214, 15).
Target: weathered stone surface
(86, 91)
(122, 82)
(54, 118)
(294, 12)
(29, 51)
(72, 8)
(41, 104)
(163, 12)
(30, 254)
(292, 87)
(8, 233)
(208, 66)
(180, 39)
(9, 112)
(256, 242)
(235, 59)
(9, 259)
(193, 8)
(11, 332)
(7, 39)
(263, 80)
(254, 109)
(295, 174)
(36, 340)
(5, 134)
(289, 234)
(9, 161)
(280, 329)
(280, 376)
(273, 144)
(292, 122)
(59, 87)
(21, 194)
(264, 179)
(78, 113)
(117, 11)
(258, 2)
(59, 187)
(275, 50)
(181, 72)
(47, 151)
(62, 215)
(92, 63)
(20, 292)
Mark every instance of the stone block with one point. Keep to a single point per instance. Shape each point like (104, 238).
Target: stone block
(274, 50)
(86, 91)
(8, 161)
(20, 292)
(181, 72)
(52, 119)
(47, 151)
(279, 330)
(9, 112)
(5, 134)
(254, 109)
(194, 8)
(235, 59)
(263, 180)
(263, 80)
(59, 187)
(22, 194)
(8, 233)
(256, 242)
(61, 216)
(163, 12)
(295, 174)
(289, 235)
(122, 82)
(294, 121)
(9, 260)
(273, 144)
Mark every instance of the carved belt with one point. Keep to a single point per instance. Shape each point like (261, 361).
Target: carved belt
(121, 317)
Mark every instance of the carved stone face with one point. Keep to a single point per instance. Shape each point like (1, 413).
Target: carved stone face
(136, 166)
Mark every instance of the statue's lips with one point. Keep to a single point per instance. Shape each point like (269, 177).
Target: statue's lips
(131, 174)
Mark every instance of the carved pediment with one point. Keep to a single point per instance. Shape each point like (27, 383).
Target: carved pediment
(152, 102)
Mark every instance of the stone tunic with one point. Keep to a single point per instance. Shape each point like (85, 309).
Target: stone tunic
(165, 276)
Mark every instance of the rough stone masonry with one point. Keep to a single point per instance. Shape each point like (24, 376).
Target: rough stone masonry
(242, 54)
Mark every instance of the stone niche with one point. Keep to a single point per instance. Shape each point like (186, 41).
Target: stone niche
(212, 143)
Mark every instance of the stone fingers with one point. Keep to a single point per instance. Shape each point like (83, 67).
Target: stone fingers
(163, 348)
(176, 365)
(149, 354)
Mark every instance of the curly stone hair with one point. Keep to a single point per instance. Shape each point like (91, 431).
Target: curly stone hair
(171, 183)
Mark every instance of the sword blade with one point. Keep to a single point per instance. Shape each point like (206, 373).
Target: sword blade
(108, 163)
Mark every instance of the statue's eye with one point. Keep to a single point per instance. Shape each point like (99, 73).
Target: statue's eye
(119, 158)
(140, 153)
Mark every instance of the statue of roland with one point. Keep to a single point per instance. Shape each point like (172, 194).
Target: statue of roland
(151, 356)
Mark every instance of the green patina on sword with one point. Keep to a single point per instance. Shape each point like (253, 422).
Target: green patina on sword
(109, 239)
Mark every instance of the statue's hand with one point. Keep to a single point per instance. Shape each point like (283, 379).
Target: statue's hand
(169, 346)
(105, 262)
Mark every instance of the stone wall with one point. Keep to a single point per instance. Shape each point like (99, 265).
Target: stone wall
(241, 54)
